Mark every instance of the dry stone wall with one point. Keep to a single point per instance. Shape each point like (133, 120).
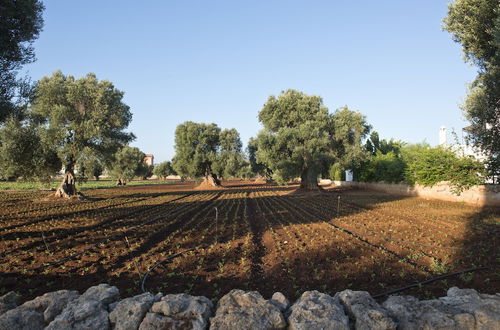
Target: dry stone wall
(476, 195)
(101, 308)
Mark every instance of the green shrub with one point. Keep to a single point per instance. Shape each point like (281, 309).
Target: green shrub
(383, 167)
(336, 172)
(433, 165)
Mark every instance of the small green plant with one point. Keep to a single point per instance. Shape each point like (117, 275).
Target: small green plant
(438, 266)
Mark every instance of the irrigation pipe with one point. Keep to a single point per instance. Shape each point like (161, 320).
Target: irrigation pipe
(434, 279)
(158, 263)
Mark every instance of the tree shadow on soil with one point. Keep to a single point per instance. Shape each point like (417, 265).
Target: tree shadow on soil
(313, 256)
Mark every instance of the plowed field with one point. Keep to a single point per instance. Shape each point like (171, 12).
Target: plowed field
(247, 236)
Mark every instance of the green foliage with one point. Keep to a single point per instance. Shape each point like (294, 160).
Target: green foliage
(385, 164)
(21, 23)
(23, 153)
(163, 169)
(301, 139)
(204, 150)
(336, 172)
(476, 25)
(420, 163)
(229, 159)
(128, 163)
(196, 146)
(433, 165)
(374, 145)
(349, 130)
(387, 167)
(145, 171)
(81, 114)
(88, 166)
(257, 169)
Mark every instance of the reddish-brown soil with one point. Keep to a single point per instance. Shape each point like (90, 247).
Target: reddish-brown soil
(245, 235)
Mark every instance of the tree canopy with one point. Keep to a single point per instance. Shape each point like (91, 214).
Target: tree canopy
(256, 168)
(204, 150)
(301, 138)
(128, 163)
(196, 145)
(475, 24)
(164, 169)
(229, 159)
(21, 23)
(24, 154)
(80, 114)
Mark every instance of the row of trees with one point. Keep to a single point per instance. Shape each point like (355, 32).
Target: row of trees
(300, 138)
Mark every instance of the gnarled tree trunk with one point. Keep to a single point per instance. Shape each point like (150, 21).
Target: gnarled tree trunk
(309, 179)
(212, 180)
(67, 188)
(121, 182)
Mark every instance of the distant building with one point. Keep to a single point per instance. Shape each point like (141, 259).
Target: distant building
(149, 160)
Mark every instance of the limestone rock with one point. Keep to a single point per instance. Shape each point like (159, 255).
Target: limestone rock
(51, 304)
(82, 314)
(316, 310)
(8, 301)
(365, 311)
(246, 310)
(154, 321)
(104, 293)
(279, 300)
(460, 309)
(178, 311)
(129, 313)
(413, 314)
(21, 318)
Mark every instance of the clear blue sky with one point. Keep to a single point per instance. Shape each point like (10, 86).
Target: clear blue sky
(218, 61)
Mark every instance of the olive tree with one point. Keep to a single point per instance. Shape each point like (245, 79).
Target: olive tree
(164, 169)
(77, 115)
(205, 151)
(89, 165)
(128, 163)
(196, 146)
(229, 158)
(301, 138)
(24, 154)
(21, 23)
(475, 24)
(257, 169)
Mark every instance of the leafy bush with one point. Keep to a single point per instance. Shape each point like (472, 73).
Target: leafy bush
(383, 167)
(438, 164)
(336, 172)
(425, 165)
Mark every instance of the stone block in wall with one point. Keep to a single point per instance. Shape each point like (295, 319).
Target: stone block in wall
(316, 310)
(89, 311)
(364, 311)
(128, 313)
(8, 301)
(178, 311)
(460, 309)
(246, 310)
